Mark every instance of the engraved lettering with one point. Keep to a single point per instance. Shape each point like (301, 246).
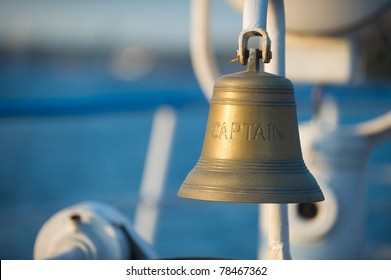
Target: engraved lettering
(235, 128)
(216, 125)
(223, 131)
(248, 130)
(269, 128)
(279, 131)
(259, 132)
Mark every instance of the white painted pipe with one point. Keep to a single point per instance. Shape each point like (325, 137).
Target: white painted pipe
(254, 13)
(276, 30)
(377, 129)
(277, 223)
(155, 169)
(277, 229)
(202, 57)
(90, 231)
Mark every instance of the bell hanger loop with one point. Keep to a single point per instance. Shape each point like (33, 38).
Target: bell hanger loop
(265, 48)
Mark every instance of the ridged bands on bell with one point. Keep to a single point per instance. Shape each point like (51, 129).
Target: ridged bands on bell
(261, 82)
(253, 88)
(255, 191)
(252, 166)
(253, 102)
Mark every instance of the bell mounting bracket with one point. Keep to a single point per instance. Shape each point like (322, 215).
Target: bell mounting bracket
(245, 35)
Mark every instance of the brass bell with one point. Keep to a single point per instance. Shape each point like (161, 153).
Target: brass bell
(251, 150)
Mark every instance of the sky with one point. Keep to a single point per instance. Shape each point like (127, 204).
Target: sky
(86, 23)
(163, 24)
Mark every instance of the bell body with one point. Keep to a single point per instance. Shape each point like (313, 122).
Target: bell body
(251, 149)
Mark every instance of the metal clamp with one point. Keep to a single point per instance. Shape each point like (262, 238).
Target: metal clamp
(245, 35)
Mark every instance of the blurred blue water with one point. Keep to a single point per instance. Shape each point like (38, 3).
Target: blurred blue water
(67, 137)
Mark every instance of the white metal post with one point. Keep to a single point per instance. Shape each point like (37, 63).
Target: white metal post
(201, 52)
(274, 219)
(254, 13)
(155, 171)
(276, 30)
(276, 214)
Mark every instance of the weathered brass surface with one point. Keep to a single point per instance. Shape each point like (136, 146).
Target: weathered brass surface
(251, 150)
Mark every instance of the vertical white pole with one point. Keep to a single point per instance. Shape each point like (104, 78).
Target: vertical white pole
(254, 13)
(276, 30)
(276, 214)
(154, 175)
(201, 52)
(277, 230)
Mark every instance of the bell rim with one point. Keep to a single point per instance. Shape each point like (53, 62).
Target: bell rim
(196, 192)
(252, 181)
